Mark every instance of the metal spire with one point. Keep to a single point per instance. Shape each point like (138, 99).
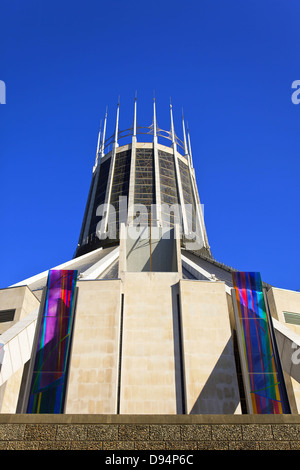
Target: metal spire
(117, 125)
(134, 119)
(98, 144)
(189, 140)
(98, 148)
(103, 135)
(172, 125)
(154, 119)
(184, 136)
(178, 176)
(157, 209)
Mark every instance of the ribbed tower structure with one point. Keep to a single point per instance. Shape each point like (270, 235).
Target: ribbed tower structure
(143, 320)
(143, 183)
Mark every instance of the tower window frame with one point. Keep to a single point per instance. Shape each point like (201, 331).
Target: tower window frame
(7, 315)
(292, 318)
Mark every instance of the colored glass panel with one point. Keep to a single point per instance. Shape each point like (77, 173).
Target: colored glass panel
(266, 383)
(51, 358)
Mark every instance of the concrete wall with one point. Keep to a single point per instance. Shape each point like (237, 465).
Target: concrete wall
(148, 380)
(15, 345)
(193, 433)
(210, 370)
(283, 300)
(93, 369)
(177, 352)
(171, 337)
(20, 299)
(155, 330)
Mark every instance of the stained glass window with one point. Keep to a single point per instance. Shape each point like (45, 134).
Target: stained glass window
(49, 375)
(258, 347)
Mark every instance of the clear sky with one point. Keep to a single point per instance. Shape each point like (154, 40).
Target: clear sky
(229, 64)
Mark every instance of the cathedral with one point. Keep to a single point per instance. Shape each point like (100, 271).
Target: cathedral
(143, 320)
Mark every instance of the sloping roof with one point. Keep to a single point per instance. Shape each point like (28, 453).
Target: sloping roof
(81, 263)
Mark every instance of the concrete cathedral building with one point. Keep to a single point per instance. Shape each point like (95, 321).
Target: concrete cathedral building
(144, 320)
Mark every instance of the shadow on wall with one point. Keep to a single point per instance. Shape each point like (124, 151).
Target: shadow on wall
(220, 394)
(178, 352)
(163, 252)
(1, 355)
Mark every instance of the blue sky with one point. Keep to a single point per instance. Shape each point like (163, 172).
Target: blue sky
(229, 64)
